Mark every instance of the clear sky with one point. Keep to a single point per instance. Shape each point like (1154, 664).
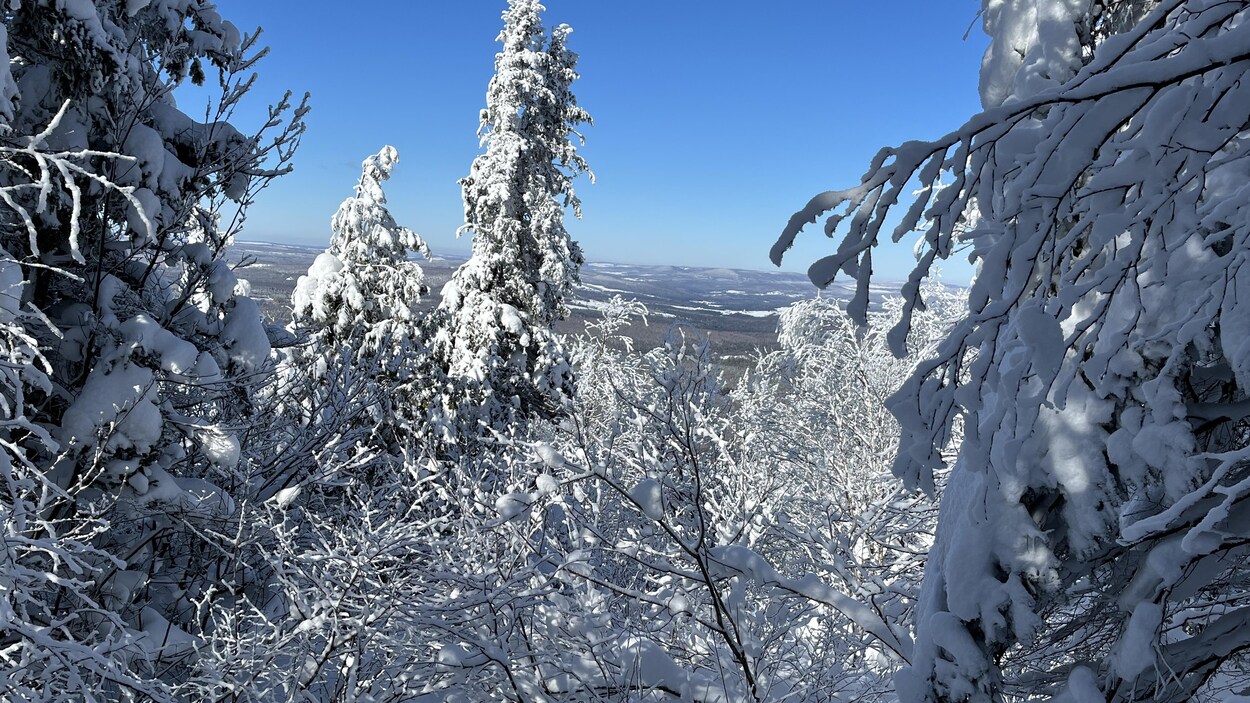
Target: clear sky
(714, 121)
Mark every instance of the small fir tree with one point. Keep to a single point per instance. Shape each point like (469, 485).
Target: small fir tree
(357, 308)
(362, 292)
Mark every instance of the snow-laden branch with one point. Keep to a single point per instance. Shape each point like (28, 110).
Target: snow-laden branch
(43, 180)
(1102, 372)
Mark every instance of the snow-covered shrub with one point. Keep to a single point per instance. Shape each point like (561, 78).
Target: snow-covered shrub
(679, 523)
(732, 552)
(814, 418)
(1091, 543)
(343, 607)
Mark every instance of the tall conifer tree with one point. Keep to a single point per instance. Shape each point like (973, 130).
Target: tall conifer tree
(494, 333)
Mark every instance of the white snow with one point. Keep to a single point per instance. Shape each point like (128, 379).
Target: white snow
(285, 497)
(549, 455)
(649, 497)
(221, 447)
(176, 355)
(244, 335)
(119, 403)
(546, 484)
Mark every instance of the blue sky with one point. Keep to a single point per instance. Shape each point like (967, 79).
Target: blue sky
(714, 122)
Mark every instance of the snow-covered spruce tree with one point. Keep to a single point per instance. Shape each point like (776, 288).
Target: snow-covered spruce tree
(1092, 540)
(357, 308)
(121, 426)
(362, 292)
(494, 329)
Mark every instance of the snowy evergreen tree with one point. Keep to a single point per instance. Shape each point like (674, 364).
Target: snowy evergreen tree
(134, 347)
(362, 292)
(494, 333)
(1091, 542)
(357, 308)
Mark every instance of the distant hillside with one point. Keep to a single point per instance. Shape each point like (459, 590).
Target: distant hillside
(737, 308)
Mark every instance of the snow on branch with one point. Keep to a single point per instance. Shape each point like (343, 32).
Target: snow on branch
(1130, 75)
(1102, 372)
(15, 153)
